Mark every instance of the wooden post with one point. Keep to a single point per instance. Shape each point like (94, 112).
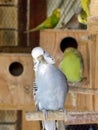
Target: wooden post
(37, 15)
(93, 30)
(94, 7)
(29, 125)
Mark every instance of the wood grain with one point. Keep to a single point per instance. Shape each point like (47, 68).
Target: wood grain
(16, 90)
(94, 7)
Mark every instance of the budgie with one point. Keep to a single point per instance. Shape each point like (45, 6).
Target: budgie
(85, 11)
(72, 66)
(48, 58)
(48, 23)
(82, 17)
(85, 4)
(51, 83)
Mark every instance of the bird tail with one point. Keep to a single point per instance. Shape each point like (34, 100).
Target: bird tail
(49, 125)
(31, 30)
(37, 28)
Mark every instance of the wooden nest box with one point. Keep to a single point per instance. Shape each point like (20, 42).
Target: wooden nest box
(16, 80)
(86, 42)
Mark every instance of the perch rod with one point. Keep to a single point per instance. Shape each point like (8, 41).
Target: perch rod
(69, 117)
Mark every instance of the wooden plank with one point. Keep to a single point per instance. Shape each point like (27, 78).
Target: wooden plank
(92, 54)
(29, 125)
(16, 90)
(92, 24)
(85, 117)
(61, 125)
(93, 30)
(8, 38)
(15, 49)
(8, 120)
(8, 116)
(8, 17)
(87, 91)
(96, 73)
(94, 7)
(17, 107)
(8, 2)
(8, 127)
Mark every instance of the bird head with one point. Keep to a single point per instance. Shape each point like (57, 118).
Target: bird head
(82, 17)
(69, 50)
(36, 52)
(57, 12)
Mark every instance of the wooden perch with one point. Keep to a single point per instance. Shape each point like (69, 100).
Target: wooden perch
(69, 117)
(91, 91)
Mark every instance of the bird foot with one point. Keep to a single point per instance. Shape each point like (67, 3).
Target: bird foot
(65, 113)
(45, 114)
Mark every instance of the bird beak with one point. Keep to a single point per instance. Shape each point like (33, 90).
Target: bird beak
(40, 58)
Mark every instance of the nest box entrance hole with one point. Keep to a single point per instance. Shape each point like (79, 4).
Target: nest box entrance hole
(68, 42)
(16, 68)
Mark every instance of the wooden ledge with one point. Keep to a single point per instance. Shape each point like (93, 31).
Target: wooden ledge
(69, 117)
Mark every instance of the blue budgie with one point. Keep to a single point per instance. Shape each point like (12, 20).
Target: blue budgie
(51, 86)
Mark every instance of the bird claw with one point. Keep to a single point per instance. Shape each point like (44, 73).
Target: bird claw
(65, 113)
(45, 114)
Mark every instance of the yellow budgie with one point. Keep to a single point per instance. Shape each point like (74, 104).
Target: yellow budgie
(85, 11)
(82, 17)
(86, 6)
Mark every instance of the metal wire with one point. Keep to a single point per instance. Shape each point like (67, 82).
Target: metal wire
(9, 120)
(28, 21)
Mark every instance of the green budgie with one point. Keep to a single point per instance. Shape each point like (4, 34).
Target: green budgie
(50, 22)
(72, 66)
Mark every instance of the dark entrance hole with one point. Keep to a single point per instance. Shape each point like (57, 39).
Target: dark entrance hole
(16, 68)
(68, 42)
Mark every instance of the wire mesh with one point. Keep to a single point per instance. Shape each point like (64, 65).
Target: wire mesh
(9, 120)
(8, 17)
(8, 23)
(68, 9)
(10, 14)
